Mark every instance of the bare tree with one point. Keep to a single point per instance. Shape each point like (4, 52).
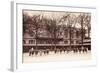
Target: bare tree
(87, 23)
(52, 29)
(84, 21)
(27, 24)
(70, 20)
(36, 21)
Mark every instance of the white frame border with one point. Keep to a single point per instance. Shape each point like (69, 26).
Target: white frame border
(15, 59)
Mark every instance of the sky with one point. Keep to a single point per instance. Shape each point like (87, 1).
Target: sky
(54, 14)
(49, 14)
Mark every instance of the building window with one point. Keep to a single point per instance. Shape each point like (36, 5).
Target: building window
(77, 42)
(77, 34)
(31, 41)
(24, 41)
(72, 42)
(66, 33)
(66, 42)
(72, 35)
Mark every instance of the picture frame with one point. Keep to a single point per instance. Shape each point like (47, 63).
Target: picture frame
(17, 55)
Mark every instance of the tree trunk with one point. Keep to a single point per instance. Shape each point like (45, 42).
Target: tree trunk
(88, 32)
(82, 31)
(70, 37)
(36, 37)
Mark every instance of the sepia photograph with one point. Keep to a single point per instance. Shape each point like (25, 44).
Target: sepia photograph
(56, 36)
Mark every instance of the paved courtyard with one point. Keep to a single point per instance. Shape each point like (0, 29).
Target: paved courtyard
(51, 57)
